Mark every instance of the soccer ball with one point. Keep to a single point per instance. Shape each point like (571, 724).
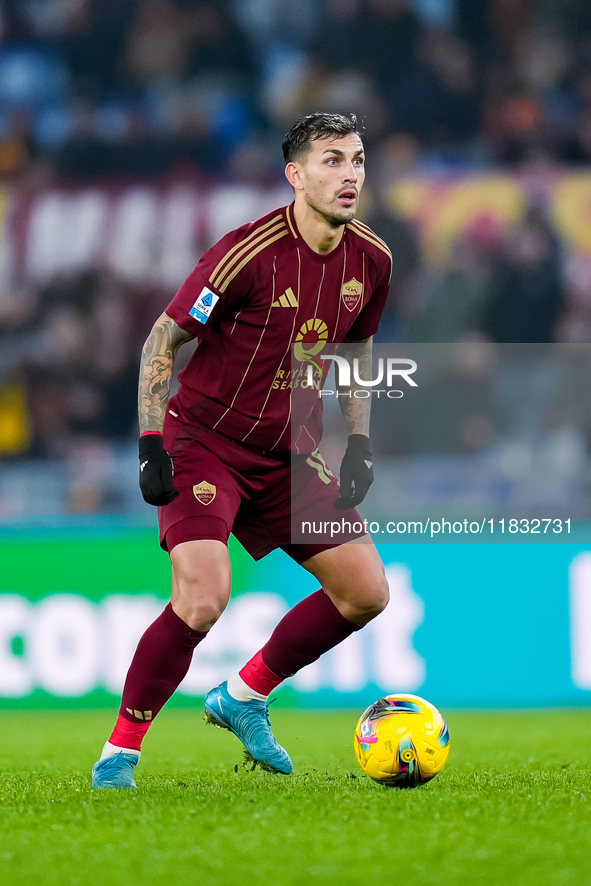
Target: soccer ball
(401, 741)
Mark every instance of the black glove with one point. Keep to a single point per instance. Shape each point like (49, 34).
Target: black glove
(356, 472)
(156, 471)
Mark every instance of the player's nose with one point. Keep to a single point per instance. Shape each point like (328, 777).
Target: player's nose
(350, 175)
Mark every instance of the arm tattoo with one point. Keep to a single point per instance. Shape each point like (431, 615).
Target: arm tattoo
(156, 368)
(356, 410)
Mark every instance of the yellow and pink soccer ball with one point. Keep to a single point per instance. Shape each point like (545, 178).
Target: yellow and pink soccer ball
(401, 741)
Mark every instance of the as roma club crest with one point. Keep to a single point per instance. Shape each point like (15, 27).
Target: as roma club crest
(351, 293)
(204, 492)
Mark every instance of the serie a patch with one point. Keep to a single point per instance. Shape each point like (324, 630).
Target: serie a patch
(204, 305)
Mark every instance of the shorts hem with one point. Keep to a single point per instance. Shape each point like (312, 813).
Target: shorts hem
(302, 552)
(195, 529)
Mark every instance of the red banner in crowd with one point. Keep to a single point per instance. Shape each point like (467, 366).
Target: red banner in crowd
(152, 233)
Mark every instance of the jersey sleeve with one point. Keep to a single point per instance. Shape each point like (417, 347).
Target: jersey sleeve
(367, 321)
(213, 289)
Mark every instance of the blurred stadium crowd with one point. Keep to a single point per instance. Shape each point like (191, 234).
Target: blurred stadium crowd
(123, 87)
(161, 90)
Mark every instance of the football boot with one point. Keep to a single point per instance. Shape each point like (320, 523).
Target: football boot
(249, 721)
(115, 771)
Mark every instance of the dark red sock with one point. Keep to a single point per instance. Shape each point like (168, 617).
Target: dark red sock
(160, 663)
(312, 627)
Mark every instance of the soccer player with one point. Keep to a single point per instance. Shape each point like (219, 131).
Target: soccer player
(303, 275)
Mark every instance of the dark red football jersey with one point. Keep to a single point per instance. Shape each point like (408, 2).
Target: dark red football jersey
(257, 292)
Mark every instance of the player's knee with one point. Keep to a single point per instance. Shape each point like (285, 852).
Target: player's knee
(200, 585)
(197, 604)
(205, 615)
(382, 593)
(366, 599)
(199, 613)
(376, 596)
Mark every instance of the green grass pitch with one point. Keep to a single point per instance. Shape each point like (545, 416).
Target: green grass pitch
(513, 806)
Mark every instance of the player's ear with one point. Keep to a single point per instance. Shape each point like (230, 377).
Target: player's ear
(294, 176)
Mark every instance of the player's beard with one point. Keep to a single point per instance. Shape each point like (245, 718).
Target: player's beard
(335, 219)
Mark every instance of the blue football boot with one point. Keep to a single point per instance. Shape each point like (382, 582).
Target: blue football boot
(249, 721)
(115, 771)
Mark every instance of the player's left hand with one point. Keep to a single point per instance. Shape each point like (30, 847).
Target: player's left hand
(356, 472)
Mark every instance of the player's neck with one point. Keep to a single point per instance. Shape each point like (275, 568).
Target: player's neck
(320, 235)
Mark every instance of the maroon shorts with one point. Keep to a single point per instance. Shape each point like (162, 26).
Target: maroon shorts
(226, 487)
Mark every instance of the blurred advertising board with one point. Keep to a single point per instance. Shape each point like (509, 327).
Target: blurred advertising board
(472, 625)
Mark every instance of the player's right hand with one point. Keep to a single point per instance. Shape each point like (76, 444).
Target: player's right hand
(156, 471)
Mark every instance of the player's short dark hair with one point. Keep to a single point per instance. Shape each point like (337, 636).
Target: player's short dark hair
(313, 126)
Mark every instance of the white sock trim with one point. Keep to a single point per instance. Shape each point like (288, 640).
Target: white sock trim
(110, 750)
(241, 691)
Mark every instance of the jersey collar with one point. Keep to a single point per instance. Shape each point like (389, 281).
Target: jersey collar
(300, 242)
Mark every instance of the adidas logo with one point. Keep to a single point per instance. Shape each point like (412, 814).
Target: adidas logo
(287, 300)
(140, 715)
